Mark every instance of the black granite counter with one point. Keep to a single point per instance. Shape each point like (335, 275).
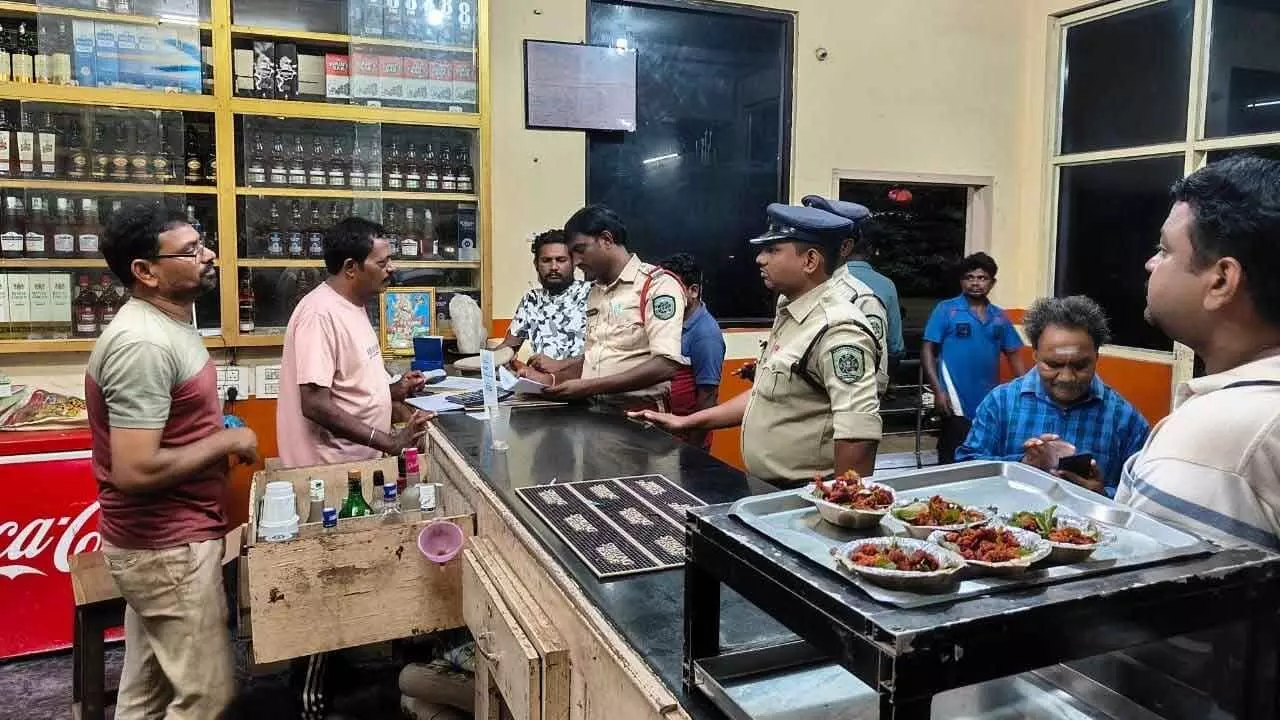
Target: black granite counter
(569, 443)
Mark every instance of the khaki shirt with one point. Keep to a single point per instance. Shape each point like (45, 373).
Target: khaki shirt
(622, 335)
(847, 287)
(790, 428)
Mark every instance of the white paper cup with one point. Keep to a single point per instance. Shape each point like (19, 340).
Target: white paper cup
(500, 426)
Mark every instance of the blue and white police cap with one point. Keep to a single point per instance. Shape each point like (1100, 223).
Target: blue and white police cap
(806, 224)
(852, 211)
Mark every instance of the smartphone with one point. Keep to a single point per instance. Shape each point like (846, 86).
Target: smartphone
(1080, 464)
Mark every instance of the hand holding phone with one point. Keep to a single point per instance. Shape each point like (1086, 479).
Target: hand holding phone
(1080, 464)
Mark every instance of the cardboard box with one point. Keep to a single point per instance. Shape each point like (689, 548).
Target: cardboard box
(106, 67)
(264, 69)
(4, 304)
(364, 75)
(415, 79)
(464, 80)
(148, 55)
(129, 63)
(310, 69)
(468, 246)
(41, 311)
(391, 77)
(337, 76)
(286, 71)
(83, 61)
(439, 78)
(19, 304)
(60, 303)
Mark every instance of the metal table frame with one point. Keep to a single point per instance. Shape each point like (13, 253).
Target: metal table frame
(909, 655)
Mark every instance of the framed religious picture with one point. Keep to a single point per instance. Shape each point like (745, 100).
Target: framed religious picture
(406, 313)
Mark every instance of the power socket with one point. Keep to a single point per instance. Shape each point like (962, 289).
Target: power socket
(234, 376)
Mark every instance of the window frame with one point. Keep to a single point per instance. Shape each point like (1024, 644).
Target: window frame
(1194, 147)
(978, 207)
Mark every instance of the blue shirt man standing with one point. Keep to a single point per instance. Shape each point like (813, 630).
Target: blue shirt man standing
(1061, 407)
(963, 342)
(696, 386)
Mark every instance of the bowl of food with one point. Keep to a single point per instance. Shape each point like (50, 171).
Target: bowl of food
(994, 549)
(901, 563)
(1072, 538)
(849, 501)
(923, 517)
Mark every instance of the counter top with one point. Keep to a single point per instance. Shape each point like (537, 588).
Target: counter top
(571, 443)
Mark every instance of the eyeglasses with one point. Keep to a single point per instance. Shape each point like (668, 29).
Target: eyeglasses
(193, 254)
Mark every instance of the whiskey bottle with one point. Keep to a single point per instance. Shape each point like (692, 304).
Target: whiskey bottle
(140, 154)
(26, 142)
(338, 165)
(296, 164)
(6, 59)
(395, 172)
(466, 174)
(163, 165)
(85, 310)
(410, 245)
(60, 57)
(87, 231)
(193, 172)
(372, 18)
(391, 231)
(430, 243)
(278, 175)
(64, 236)
(257, 171)
(44, 46)
(210, 164)
(431, 174)
(7, 146)
(448, 178)
(315, 234)
(100, 154)
(414, 19)
(77, 164)
(47, 147)
(393, 19)
(247, 303)
(295, 239)
(37, 235)
(373, 168)
(333, 214)
(412, 170)
(12, 228)
(317, 170)
(359, 173)
(195, 223)
(119, 169)
(23, 57)
(108, 302)
(123, 7)
(275, 238)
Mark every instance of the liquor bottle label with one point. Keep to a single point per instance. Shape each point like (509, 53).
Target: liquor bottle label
(297, 176)
(160, 168)
(395, 180)
(79, 166)
(275, 243)
(26, 152)
(295, 244)
(5, 168)
(194, 174)
(107, 316)
(119, 167)
(48, 154)
(41, 68)
(138, 169)
(36, 244)
(6, 68)
(64, 243)
(448, 183)
(409, 248)
(87, 323)
(358, 178)
(257, 175)
(317, 176)
(412, 182)
(315, 244)
(88, 243)
(211, 171)
(279, 176)
(337, 178)
(431, 183)
(11, 242)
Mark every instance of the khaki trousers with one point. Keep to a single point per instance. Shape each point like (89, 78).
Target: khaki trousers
(177, 652)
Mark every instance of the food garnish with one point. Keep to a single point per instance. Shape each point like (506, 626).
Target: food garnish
(1046, 524)
(849, 490)
(936, 512)
(893, 557)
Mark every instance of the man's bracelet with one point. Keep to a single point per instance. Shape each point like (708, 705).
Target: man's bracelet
(372, 431)
(553, 379)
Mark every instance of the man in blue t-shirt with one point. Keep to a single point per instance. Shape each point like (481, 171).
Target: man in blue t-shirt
(697, 386)
(963, 341)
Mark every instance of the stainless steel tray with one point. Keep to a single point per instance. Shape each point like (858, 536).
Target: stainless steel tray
(1138, 539)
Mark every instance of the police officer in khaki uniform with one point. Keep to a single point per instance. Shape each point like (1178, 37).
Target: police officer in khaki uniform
(635, 316)
(812, 408)
(849, 288)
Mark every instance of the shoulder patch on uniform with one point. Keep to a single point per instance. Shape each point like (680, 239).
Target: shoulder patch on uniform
(664, 307)
(877, 326)
(850, 363)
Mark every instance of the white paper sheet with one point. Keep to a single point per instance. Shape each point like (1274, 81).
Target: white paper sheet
(434, 403)
(519, 385)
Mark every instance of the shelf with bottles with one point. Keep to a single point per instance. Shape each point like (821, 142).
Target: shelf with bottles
(127, 11)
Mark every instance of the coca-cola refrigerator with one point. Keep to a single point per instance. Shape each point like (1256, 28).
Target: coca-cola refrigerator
(49, 512)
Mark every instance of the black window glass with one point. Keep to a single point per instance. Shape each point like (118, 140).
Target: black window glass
(1270, 152)
(1126, 78)
(1244, 68)
(709, 151)
(1109, 218)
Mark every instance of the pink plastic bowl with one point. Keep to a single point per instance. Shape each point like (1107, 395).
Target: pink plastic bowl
(440, 541)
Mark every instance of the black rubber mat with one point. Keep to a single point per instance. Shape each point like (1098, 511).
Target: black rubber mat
(665, 496)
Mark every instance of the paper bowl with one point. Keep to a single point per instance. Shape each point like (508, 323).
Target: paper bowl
(922, 532)
(939, 580)
(843, 515)
(1039, 547)
(1067, 553)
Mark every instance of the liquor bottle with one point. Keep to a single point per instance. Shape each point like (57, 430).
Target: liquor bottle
(431, 174)
(448, 177)
(295, 239)
(60, 72)
(140, 154)
(64, 235)
(410, 243)
(333, 214)
(379, 480)
(99, 154)
(194, 222)
(44, 47)
(395, 172)
(47, 147)
(466, 174)
(109, 302)
(297, 168)
(275, 238)
(193, 172)
(278, 174)
(23, 58)
(210, 164)
(391, 231)
(373, 168)
(317, 169)
(87, 231)
(338, 165)
(430, 243)
(390, 509)
(84, 310)
(77, 164)
(412, 479)
(315, 234)
(354, 505)
(7, 146)
(123, 7)
(26, 142)
(163, 164)
(256, 173)
(316, 512)
(6, 54)
(12, 228)
(37, 235)
(102, 5)
(402, 483)
(393, 19)
(412, 170)
(414, 19)
(248, 306)
(372, 18)
(358, 174)
(119, 169)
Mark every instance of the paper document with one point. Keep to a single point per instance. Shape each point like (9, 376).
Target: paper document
(519, 385)
(456, 384)
(434, 403)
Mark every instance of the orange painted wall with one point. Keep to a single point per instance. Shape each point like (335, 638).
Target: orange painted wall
(260, 415)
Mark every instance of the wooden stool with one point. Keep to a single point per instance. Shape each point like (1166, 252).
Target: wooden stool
(99, 608)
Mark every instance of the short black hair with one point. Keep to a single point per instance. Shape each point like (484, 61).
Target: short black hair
(1077, 312)
(978, 261)
(351, 238)
(549, 237)
(683, 266)
(1236, 205)
(594, 220)
(830, 253)
(133, 233)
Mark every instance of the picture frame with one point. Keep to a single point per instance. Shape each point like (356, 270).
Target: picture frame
(405, 313)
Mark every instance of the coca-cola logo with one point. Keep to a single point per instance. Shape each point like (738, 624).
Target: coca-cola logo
(62, 535)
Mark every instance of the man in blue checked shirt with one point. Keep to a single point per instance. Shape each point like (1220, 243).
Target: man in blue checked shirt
(1060, 407)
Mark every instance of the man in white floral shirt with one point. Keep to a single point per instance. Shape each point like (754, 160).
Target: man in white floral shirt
(552, 317)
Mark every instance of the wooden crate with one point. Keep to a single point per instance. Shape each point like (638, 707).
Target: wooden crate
(362, 582)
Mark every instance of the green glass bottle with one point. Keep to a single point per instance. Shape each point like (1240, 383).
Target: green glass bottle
(354, 505)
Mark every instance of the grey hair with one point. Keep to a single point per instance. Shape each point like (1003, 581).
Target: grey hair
(1077, 312)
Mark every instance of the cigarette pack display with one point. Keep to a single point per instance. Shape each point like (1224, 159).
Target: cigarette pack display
(391, 77)
(364, 75)
(337, 76)
(468, 246)
(264, 69)
(128, 62)
(286, 71)
(415, 79)
(439, 78)
(464, 80)
(19, 303)
(148, 55)
(82, 33)
(106, 60)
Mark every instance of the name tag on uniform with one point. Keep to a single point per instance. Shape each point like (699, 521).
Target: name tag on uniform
(963, 330)
(593, 312)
